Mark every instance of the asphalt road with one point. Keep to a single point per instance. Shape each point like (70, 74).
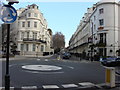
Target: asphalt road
(54, 73)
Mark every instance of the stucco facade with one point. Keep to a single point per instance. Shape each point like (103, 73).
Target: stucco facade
(31, 33)
(102, 30)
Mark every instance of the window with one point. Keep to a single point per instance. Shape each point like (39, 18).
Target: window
(101, 37)
(34, 35)
(34, 47)
(35, 14)
(23, 24)
(29, 7)
(33, 6)
(28, 23)
(22, 47)
(101, 22)
(22, 35)
(42, 48)
(94, 18)
(35, 24)
(27, 47)
(37, 7)
(94, 27)
(27, 34)
(29, 14)
(101, 11)
(18, 24)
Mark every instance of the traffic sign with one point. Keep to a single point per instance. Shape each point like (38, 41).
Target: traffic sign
(8, 14)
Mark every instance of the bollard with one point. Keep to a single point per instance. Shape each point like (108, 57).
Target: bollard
(110, 77)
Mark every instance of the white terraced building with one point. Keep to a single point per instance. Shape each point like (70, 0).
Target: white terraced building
(30, 32)
(99, 31)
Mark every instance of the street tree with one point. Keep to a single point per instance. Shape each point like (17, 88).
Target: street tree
(58, 41)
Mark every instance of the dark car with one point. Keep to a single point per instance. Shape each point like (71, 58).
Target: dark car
(66, 55)
(110, 61)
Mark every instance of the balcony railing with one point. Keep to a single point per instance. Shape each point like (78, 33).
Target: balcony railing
(101, 44)
(34, 40)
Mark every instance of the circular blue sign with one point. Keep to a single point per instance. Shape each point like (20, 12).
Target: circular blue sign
(8, 14)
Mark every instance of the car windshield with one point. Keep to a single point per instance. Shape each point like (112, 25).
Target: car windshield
(111, 58)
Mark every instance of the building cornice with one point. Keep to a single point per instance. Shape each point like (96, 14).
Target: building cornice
(101, 3)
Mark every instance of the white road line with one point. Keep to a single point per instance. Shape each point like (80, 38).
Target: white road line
(69, 85)
(29, 87)
(38, 59)
(100, 85)
(67, 66)
(87, 84)
(50, 86)
(46, 59)
(3, 88)
(11, 88)
(13, 65)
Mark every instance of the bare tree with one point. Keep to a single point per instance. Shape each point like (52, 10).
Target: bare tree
(58, 41)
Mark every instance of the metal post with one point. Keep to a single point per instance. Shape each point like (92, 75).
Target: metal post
(92, 44)
(7, 76)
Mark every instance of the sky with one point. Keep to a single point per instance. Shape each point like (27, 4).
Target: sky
(61, 16)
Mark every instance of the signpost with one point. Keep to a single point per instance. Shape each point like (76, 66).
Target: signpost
(8, 16)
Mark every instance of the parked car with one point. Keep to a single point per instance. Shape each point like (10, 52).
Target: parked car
(110, 61)
(66, 55)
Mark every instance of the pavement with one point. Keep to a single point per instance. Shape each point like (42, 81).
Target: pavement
(19, 57)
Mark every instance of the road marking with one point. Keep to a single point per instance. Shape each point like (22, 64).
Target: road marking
(29, 87)
(67, 66)
(69, 85)
(36, 72)
(41, 67)
(87, 84)
(31, 71)
(3, 88)
(46, 59)
(50, 86)
(82, 85)
(38, 59)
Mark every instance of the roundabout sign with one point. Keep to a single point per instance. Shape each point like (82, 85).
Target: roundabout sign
(8, 14)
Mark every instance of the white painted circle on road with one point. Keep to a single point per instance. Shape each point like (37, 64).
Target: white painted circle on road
(42, 67)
